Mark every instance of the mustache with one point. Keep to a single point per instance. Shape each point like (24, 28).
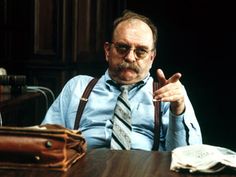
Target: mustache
(126, 65)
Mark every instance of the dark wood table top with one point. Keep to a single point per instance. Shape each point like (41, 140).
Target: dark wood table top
(110, 163)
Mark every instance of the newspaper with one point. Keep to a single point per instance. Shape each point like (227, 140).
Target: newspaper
(202, 158)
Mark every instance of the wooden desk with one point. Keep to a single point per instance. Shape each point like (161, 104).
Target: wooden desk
(107, 163)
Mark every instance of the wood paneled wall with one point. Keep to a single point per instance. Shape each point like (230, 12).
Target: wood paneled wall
(52, 40)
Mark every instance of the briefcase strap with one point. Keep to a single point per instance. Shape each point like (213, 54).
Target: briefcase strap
(157, 112)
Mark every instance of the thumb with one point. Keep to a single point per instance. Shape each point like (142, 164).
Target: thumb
(161, 77)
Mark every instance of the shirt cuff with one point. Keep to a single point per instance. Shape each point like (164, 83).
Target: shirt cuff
(176, 123)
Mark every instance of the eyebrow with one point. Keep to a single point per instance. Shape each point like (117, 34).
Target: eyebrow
(138, 45)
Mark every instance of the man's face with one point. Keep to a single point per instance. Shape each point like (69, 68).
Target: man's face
(131, 53)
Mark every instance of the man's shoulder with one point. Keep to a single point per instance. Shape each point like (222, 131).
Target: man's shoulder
(80, 79)
(78, 82)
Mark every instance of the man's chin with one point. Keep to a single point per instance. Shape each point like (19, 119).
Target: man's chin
(128, 77)
(128, 74)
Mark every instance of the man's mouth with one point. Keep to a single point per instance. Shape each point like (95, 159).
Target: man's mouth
(128, 67)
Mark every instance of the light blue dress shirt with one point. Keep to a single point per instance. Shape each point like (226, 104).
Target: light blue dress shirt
(95, 125)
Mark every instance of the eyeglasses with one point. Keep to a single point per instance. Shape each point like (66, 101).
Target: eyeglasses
(123, 49)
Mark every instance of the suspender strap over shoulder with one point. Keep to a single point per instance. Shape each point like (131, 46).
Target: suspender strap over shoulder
(83, 101)
(157, 112)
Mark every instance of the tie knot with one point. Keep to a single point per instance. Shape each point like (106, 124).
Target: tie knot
(125, 87)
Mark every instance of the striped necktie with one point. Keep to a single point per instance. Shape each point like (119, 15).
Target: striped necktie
(121, 131)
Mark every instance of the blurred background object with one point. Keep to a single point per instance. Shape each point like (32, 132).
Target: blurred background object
(3, 87)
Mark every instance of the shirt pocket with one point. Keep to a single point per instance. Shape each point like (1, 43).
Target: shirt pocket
(143, 117)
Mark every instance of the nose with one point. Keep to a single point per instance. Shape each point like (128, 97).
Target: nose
(130, 56)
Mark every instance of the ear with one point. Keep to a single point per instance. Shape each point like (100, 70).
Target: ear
(153, 56)
(106, 50)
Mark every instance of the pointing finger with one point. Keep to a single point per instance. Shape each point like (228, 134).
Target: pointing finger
(174, 78)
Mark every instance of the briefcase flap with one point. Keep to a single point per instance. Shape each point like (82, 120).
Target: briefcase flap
(45, 146)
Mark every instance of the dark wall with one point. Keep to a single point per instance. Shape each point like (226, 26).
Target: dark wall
(197, 38)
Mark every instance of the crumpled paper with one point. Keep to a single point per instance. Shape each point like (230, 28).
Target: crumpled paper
(202, 158)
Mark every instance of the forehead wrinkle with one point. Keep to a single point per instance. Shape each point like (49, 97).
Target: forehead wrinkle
(134, 31)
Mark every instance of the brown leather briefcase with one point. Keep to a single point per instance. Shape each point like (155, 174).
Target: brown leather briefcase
(47, 146)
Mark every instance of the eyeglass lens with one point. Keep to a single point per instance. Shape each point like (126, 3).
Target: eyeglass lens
(124, 49)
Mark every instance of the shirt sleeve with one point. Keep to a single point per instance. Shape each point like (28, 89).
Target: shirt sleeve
(64, 108)
(181, 130)
(56, 112)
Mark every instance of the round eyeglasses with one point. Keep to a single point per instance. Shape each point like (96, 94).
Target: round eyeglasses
(123, 49)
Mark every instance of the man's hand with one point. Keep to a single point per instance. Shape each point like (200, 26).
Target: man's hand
(170, 90)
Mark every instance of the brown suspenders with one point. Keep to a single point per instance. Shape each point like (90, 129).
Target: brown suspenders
(157, 117)
(157, 112)
(83, 101)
